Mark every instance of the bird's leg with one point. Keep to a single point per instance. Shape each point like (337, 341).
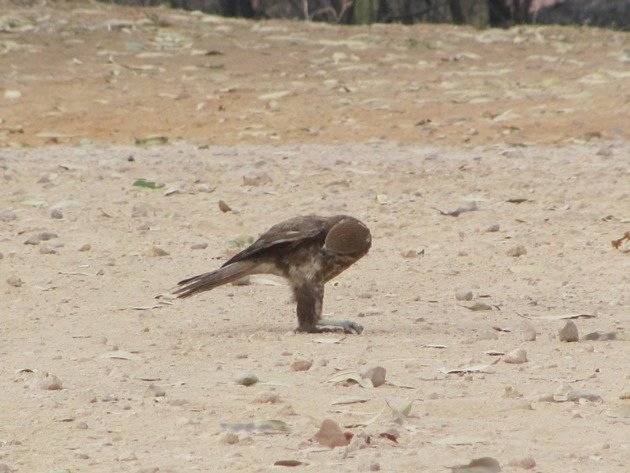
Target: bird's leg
(310, 297)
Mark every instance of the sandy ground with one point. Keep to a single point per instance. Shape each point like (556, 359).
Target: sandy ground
(149, 385)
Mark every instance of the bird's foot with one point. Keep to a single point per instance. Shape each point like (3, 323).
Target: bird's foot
(348, 326)
(351, 327)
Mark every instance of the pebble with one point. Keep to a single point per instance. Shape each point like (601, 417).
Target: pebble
(127, 457)
(267, 397)
(527, 332)
(527, 463)
(153, 390)
(7, 215)
(516, 357)
(47, 249)
(493, 228)
(46, 382)
(85, 247)
(82, 425)
(569, 333)
(330, 435)
(229, 438)
(14, 281)
(301, 365)
(256, 178)
(376, 375)
(33, 240)
(156, 251)
(224, 207)
(463, 295)
(371, 466)
(246, 379)
(56, 214)
(516, 251)
(198, 246)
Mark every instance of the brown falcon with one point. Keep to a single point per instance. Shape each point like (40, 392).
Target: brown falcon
(308, 251)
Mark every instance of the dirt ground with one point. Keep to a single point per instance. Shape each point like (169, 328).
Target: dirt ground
(386, 123)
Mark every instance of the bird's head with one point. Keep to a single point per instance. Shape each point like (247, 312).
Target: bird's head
(349, 237)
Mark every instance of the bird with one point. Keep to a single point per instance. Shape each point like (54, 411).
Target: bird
(307, 251)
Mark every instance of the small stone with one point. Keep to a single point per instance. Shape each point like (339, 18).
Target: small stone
(301, 365)
(47, 249)
(198, 246)
(224, 207)
(81, 425)
(377, 375)
(569, 333)
(527, 332)
(464, 295)
(156, 251)
(14, 281)
(527, 463)
(46, 382)
(267, 397)
(330, 435)
(493, 228)
(516, 251)
(56, 214)
(605, 152)
(256, 178)
(371, 466)
(229, 438)
(625, 395)
(154, 391)
(45, 236)
(7, 215)
(82, 456)
(246, 379)
(516, 357)
(85, 247)
(33, 240)
(127, 457)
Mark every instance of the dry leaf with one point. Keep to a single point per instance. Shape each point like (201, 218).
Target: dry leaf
(467, 207)
(478, 306)
(348, 400)
(617, 244)
(351, 377)
(121, 355)
(564, 317)
(289, 463)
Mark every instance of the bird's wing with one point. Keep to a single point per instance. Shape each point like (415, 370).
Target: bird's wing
(290, 231)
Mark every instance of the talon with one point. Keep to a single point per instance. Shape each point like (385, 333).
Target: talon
(352, 327)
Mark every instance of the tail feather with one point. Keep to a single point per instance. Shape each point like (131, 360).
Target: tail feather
(207, 281)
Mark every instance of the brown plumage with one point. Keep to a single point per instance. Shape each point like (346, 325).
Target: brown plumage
(308, 251)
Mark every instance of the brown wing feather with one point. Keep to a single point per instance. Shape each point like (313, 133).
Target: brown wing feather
(290, 231)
